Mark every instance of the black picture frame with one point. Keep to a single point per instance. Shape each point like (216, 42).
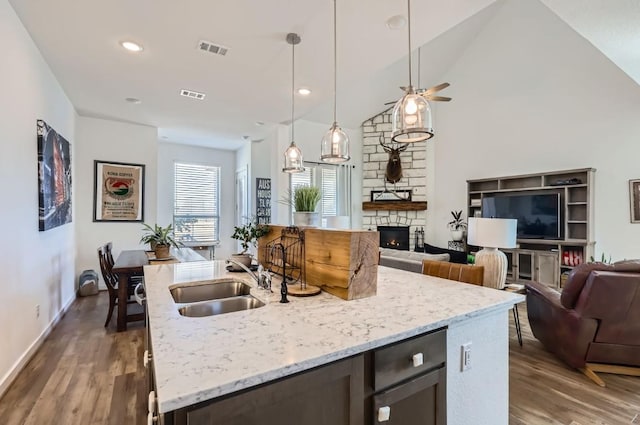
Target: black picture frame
(118, 191)
(634, 200)
(54, 178)
(390, 195)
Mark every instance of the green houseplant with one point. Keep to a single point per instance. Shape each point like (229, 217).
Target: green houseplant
(160, 239)
(457, 226)
(304, 200)
(247, 234)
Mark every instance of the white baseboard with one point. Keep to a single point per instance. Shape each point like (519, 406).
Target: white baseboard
(10, 376)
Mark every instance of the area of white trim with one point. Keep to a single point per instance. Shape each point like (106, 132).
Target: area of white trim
(10, 376)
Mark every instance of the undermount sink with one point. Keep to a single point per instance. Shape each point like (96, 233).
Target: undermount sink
(221, 306)
(210, 291)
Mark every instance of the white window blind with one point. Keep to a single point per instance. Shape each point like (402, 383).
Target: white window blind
(196, 209)
(326, 178)
(329, 191)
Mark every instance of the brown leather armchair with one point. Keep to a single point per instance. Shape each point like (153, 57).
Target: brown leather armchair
(594, 324)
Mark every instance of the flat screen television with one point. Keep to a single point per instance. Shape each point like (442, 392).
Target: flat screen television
(538, 215)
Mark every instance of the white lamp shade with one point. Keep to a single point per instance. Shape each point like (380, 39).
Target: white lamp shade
(338, 222)
(492, 232)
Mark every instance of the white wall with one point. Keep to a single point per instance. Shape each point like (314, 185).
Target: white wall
(531, 95)
(479, 395)
(36, 268)
(105, 140)
(168, 153)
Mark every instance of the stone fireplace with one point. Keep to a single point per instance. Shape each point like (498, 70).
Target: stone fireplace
(394, 237)
(409, 217)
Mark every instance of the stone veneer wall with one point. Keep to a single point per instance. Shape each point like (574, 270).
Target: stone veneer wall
(374, 164)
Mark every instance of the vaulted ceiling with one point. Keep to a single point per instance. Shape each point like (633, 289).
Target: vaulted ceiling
(252, 82)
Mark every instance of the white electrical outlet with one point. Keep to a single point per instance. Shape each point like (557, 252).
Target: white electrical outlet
(37, 310)
(465, 357)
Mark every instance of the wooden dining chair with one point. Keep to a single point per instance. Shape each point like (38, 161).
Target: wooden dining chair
(133, 280)
(454, 271)
(105, 258)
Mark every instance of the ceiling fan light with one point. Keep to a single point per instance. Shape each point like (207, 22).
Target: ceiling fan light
(335, 145)
(293, 162)
(411, 119)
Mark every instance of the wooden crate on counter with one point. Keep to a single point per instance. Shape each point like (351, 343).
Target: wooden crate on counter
(341, 262)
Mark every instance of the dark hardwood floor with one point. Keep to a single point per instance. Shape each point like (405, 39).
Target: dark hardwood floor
(84, 374)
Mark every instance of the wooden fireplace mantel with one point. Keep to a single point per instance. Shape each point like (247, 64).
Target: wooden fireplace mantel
(394, 206)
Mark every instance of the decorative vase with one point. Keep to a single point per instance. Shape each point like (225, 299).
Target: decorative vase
(457, 235)
(162, 251)
(244, 259)
(310, 219)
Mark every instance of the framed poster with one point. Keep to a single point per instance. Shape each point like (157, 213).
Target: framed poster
(118, 191)
(634, 199)
(54, 178)
(263, 200)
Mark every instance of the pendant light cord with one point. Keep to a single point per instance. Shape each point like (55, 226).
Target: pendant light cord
(293, 77)
(335, 63)
(409, 27)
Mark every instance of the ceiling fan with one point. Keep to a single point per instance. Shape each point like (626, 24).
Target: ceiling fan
(428, 93)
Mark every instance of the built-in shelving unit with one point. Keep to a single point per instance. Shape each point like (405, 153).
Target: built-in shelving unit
(545, 259)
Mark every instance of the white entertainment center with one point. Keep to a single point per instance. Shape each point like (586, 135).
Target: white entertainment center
(545, 259)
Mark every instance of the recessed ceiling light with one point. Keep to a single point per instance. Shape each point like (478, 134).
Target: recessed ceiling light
(396, 22)
(131, 46)
(133, 100)
(304, 91)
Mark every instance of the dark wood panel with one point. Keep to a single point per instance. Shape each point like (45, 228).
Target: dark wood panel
(332, 394)
(394, 206)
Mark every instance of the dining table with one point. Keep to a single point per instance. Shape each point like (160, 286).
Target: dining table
(131, 263)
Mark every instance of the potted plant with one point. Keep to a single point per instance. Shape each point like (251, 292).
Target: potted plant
(160, 239)
(457, 226)
(247, 234)
(304, 200)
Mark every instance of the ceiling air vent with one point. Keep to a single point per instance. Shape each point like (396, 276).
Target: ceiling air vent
(207, 46)
(192, 94)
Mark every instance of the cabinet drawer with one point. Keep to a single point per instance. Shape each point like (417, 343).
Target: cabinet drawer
(395, 363)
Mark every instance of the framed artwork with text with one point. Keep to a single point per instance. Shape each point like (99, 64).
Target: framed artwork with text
(118, 191)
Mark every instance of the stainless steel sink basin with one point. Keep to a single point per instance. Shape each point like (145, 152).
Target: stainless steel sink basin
(222, 306)
(210, 291)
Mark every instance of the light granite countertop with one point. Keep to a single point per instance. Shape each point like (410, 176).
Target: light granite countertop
(197, 359)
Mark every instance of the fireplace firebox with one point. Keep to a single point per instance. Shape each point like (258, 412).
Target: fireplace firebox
(395, 237)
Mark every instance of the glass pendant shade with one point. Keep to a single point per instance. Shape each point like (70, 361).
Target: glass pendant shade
(293, 159)
(335, 145)
(411, 120)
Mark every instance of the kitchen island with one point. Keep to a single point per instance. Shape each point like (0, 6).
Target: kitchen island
(198, 359)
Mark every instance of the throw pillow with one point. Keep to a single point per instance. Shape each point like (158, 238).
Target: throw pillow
(454, 256)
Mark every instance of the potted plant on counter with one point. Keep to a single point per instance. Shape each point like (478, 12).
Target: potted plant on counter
(248, 234)
(457, 226)
(304, 200)
(160, 239)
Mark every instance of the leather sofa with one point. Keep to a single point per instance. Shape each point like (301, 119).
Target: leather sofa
(594, 323)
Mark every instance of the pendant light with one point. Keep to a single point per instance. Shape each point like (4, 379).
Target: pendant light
(335, 143)
(293, 155)
(411, 119)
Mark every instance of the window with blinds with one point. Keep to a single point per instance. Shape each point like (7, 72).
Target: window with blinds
(324, 177)
(196, 209)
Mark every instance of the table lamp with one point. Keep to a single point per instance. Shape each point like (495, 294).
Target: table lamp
(491, 234)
